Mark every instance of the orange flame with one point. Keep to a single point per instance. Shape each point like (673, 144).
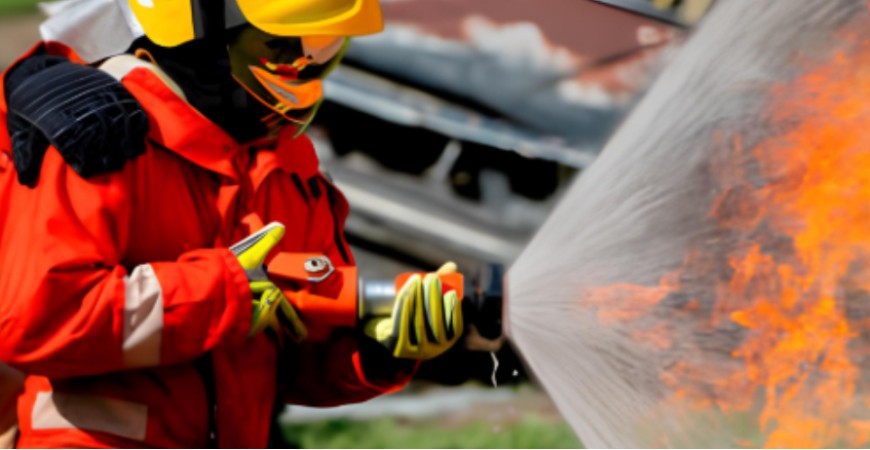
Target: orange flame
(798, 205)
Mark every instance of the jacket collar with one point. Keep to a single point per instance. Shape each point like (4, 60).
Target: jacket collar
(178, 126)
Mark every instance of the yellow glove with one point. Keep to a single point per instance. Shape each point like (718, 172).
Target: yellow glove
(271, 307)
(425, 321)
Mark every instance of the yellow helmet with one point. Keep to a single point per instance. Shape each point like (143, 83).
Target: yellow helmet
(170, 23)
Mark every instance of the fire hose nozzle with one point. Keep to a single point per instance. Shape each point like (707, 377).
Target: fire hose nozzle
(360, 300)
(481, 304)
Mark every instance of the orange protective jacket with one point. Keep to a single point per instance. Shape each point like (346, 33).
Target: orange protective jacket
(115, 287)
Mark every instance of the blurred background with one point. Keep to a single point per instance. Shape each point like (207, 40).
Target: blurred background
(453, 134)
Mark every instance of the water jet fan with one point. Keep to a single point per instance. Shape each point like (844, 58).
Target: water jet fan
(706, 282)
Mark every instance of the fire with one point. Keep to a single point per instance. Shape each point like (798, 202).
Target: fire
(790, 301)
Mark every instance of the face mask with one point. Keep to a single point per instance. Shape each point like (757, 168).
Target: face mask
(284, 73)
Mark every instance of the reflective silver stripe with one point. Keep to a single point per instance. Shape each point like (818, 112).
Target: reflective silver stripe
(233, 15)
(143, 318)
(54, 410)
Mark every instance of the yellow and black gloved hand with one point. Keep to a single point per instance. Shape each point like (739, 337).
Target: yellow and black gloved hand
(271, 307)
(425, 321)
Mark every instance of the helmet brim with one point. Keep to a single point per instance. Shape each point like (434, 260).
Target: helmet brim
(170, 23)
(314, 17)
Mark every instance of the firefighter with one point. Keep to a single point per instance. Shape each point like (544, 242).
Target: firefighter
(136, 319)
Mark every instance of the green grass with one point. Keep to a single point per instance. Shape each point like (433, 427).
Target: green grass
(17, 6)
(531, 432)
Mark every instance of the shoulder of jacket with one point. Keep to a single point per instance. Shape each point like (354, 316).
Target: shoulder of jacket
(120, 66)
(296, 153)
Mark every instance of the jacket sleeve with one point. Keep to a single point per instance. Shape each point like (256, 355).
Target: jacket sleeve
(348, 367)
(72, 307)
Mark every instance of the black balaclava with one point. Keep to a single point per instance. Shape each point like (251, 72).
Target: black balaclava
(201, 68)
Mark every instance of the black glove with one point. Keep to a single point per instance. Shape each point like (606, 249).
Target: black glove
(92, 120)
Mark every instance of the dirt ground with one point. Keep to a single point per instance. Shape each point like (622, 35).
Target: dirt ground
(17, 34)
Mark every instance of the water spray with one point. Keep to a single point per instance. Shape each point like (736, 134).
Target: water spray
(705, 282)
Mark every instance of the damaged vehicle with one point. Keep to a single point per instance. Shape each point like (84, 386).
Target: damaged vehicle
(462, 121)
